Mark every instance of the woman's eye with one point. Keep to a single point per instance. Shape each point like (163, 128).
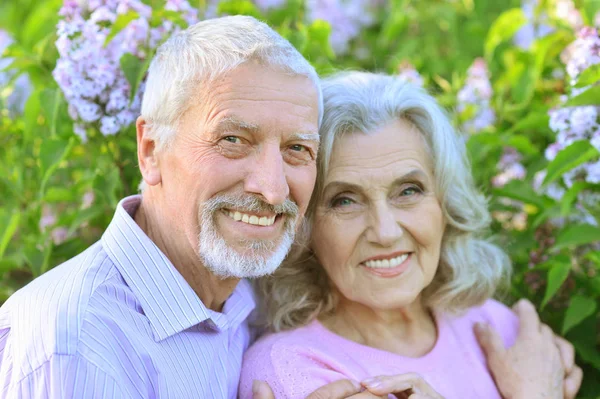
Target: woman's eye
(343, 201)
(412, 190)
(233, 139)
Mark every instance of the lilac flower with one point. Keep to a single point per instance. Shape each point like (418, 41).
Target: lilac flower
(346, 17)
(510, 168)
(475, 97)
(535, 28)
(578, 123)
(593, 172)
(269, 4)
(566, 10)
(582, 53)
(408, 73)
(88, 70)
(12, 98)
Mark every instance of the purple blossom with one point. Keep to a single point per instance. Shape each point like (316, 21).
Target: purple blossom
(88, 70)
(13, 96)
(510, 168)
(475, 96)
(407, 72)
(593, 172)
(269, 4)
(535, 28)
(346, 17)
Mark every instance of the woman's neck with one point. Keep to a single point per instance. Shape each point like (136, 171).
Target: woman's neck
(410, 331)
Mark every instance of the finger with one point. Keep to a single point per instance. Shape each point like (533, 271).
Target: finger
(529, 321)
(341, 389)
(368, 395)
(573, 383)
(567, 353)
(261, 390)
(385, 384)
(489, 340)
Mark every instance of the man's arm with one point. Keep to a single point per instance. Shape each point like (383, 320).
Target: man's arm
(63, 376)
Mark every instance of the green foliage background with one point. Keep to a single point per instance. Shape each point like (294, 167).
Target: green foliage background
(44, 166)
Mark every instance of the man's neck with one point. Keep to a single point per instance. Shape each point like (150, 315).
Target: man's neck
(212, 290)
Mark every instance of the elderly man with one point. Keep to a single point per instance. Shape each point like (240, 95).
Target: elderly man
(227, 142)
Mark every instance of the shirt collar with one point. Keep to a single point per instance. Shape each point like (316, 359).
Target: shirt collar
(168, 301)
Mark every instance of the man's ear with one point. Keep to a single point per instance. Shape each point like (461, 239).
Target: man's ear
(147, 156)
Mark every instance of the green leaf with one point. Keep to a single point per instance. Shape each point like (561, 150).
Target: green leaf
(10, 227)
(238, 7)
(318, 33)
(51, 100)
(50, 158)
(520, 191)
(523, 145)
(503, 28)
(576, 235)
(121, 23)
(589, 97)
(589, 76)
(134, 70)
(574, 155)
(571, 195)
(533, 121)
(580, 308)
(59, 194)
(556, 277)
(159, 16)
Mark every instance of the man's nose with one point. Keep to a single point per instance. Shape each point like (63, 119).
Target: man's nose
(383, 229)
(267, 177)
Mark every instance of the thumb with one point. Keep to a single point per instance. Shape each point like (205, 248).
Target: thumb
(489, 340)
(261, 390)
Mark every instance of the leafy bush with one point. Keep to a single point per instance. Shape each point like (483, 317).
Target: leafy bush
(521, 81)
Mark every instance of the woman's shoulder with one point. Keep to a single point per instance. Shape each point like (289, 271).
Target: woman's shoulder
(497, 315)
(271, 343)
(284, 360)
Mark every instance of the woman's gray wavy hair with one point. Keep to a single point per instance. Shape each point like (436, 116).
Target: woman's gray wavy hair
(470, 269)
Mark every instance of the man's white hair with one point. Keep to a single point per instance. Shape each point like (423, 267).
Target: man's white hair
(193, 58)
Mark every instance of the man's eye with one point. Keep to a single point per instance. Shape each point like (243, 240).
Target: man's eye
(233, 139)
(298, 147)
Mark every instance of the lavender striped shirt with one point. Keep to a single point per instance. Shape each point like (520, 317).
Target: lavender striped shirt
(119, 321)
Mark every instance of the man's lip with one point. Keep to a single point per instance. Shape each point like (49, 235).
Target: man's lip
(387, 256)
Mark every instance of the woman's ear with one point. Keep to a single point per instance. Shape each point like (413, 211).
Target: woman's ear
(147, 153)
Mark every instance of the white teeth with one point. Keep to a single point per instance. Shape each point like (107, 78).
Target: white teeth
(386, 263)
(252, 219)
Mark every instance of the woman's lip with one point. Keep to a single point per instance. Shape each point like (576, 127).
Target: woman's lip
(388, 256)
(389, 271)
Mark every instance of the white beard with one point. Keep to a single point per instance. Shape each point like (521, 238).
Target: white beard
(262, 257)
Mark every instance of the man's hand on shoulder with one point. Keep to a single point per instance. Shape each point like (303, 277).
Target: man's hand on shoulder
(538, 365)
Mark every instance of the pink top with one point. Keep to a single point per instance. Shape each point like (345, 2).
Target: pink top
(297, 362)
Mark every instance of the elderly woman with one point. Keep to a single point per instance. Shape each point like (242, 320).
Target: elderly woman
(395, 274)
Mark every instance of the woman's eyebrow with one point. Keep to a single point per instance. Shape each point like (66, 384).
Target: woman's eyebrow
(342, 186)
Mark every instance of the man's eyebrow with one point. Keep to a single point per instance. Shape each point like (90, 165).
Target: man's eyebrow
(306, 137)
(231, 123)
